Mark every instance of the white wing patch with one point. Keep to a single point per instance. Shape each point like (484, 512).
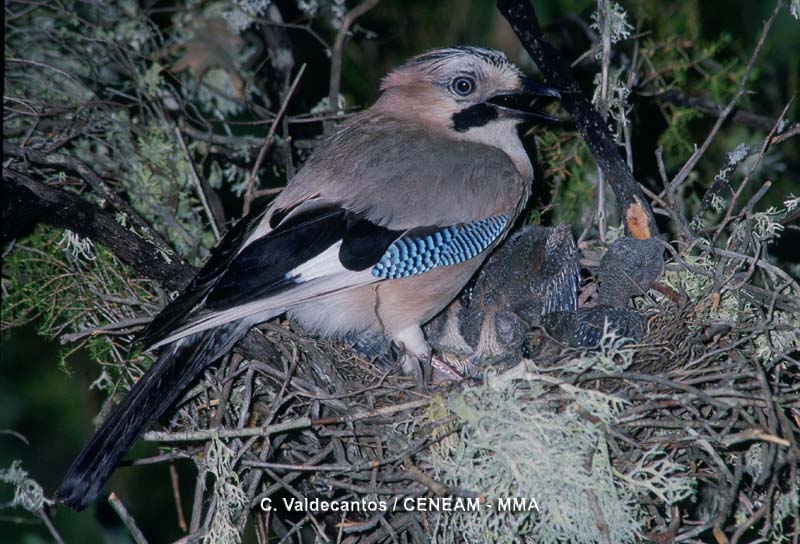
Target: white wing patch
(326, 279)
(325, 264)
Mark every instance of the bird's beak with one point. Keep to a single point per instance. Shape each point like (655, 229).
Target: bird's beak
(517, 104)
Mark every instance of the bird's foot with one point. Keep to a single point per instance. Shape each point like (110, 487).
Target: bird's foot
(447, 368)
(416, 355)
(416, 367)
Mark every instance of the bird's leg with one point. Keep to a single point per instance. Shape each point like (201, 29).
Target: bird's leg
(416, 354)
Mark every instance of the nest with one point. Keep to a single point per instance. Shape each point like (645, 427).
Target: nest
(691, 431)
(687, 435)
(695, 428)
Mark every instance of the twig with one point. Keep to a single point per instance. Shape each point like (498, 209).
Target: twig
(761, 263)
(198, 185)
(681, 176)
(783, 136)
(60, 208)
(251, 180)
(176, 494)
(600, 520)
(299, 423)
(732, 160)
(111, 328)
(438, 488)
(42, 515)
(411, 449)
(126, 518)
(338, 49)
(605, 57)
(754, 434)
(709, 107)
(16, 435)
(759, 157)
(199, 494)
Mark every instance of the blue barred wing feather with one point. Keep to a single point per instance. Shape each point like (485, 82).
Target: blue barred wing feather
(412, 255)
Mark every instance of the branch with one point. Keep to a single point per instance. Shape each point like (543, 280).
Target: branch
(251, 180)
(639, 220)
(68, 164)
(34, 201)
(709, 107)
(30, 201)
(127, 519)
(681, 176)
(266, 430)
(338, 49)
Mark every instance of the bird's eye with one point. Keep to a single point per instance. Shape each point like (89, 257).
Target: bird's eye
(463, 86)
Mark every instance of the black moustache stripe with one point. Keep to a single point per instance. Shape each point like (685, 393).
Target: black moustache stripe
(474, 116)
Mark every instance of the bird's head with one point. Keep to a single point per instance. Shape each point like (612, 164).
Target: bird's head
(471, 92)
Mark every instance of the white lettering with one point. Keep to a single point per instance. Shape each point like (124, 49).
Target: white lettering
(517, 504)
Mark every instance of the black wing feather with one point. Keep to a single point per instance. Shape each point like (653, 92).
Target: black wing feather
(221, 257)
(364, 244)
(263, 267)
(232, 277)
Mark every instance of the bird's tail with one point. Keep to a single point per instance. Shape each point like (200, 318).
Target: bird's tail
(176, 367)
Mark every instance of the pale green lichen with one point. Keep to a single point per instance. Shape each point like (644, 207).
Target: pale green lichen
(784, 513)
(656, 474)
(77, 245)
(514, 445)
(27, 492)
(617, 20)
(240, 14)
(230, 497)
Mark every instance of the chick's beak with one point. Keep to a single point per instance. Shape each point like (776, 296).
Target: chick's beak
(517, 104)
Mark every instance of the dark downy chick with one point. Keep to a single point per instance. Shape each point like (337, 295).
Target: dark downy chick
(533, 273)
(629, 268)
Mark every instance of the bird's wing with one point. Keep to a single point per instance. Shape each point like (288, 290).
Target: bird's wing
(309, 254)
(560, 272)
(351, 218)
(196, 291)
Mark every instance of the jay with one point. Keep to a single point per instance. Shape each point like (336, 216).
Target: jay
(376, 234)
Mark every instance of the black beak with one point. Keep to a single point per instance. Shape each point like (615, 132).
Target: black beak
(533, 87)
(517, 104)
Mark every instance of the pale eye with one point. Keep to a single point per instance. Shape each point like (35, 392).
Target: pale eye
(463, 85)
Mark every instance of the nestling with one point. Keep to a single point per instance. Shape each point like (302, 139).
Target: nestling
(375, 235)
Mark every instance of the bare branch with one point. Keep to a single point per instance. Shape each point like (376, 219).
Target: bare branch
(639, 220)
(681, 176)
(248, 195)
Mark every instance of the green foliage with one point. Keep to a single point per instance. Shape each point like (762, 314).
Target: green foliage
(565, 160)
(93, 65)
(70, 287)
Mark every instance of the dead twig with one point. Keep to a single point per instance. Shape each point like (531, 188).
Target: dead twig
(127, 519)
(338, 49)
(681, 176)
(251, 180)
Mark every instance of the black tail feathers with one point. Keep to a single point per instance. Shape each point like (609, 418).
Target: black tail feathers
(176, 367)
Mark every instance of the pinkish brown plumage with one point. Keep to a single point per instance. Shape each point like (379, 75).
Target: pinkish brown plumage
(378, 231)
